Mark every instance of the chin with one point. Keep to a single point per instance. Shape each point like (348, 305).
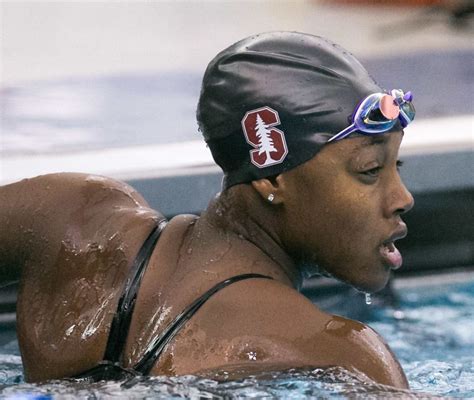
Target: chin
(372, 285)
(371, 281)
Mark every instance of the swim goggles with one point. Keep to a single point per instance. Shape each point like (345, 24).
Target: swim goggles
(379, 113)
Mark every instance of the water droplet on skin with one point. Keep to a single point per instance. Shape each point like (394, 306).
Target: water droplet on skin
(252, 355)
(70, 330)
(113, 236)
(368, 299)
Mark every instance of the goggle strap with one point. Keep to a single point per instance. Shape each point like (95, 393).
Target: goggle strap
(403, 117)
(345, 132)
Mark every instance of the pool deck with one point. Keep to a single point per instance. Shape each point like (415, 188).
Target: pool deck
(83, 82)
(47, 46)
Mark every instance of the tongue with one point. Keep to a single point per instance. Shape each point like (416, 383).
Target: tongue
(392, 255)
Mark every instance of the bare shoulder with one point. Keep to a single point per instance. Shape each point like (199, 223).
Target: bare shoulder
(44, 211)
(265, 307)
(54, 204)
(265, 321)
(51, 185)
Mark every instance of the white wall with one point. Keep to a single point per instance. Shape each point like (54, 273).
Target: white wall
(56, 39)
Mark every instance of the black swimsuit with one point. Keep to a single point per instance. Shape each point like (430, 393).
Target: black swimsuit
(110, 368)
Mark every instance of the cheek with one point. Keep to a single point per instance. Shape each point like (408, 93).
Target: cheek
(343, 225)
(354, 214)
(344, 207)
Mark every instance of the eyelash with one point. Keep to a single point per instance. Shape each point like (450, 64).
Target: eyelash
(373, 172)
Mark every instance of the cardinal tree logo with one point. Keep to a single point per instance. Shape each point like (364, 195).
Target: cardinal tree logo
(268, 142)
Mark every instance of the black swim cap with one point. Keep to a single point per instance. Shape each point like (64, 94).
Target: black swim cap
(270, 102)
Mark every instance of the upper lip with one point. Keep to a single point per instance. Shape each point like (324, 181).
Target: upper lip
(399, 233)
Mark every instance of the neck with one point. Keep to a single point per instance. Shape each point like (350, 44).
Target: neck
(242, 212)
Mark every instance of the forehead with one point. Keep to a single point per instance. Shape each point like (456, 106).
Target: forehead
(334, 156)
(369, 144)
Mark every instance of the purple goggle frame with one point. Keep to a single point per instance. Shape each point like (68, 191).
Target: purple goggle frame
(379, 112)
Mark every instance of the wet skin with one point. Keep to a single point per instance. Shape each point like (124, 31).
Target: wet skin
(347, 203)
(75, 237)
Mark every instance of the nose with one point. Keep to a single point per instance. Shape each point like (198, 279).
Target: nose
(401, 200)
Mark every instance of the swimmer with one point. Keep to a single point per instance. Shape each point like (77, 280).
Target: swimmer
(308, 143)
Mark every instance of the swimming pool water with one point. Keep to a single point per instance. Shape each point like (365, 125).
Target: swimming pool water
(433, 337)
(431, 331)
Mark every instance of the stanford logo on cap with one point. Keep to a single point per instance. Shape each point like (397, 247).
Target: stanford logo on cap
(268, 142)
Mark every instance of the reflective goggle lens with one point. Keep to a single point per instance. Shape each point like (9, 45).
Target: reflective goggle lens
(379, 113)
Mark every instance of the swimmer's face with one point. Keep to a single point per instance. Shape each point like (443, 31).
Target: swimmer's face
(343, 209)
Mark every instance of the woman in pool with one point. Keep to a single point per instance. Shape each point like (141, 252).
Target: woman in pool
(309, 147)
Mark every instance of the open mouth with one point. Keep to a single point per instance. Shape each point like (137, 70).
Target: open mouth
(391, 255)
(389, 251)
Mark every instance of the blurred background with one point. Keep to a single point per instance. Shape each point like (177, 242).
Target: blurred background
(111, 87)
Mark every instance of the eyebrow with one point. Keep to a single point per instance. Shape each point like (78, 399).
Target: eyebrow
(377, 139)
(374, 140)
(371, 141)
(367, 142)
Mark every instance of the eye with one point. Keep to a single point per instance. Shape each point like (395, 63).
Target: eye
(399, 164)
(373, 172)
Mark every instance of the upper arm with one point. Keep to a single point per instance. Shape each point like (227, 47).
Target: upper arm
(268, 322)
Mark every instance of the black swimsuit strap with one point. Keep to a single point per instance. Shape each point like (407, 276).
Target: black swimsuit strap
(123, 316)
(156, 347)
(111, 366)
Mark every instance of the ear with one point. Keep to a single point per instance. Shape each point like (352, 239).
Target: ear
(274, 185)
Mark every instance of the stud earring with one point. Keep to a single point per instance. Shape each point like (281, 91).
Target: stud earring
(271, 197)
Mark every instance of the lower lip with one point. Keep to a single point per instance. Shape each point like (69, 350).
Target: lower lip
(391, 256)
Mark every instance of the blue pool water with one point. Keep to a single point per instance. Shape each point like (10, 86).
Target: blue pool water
(431, 331)
(433, 337)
